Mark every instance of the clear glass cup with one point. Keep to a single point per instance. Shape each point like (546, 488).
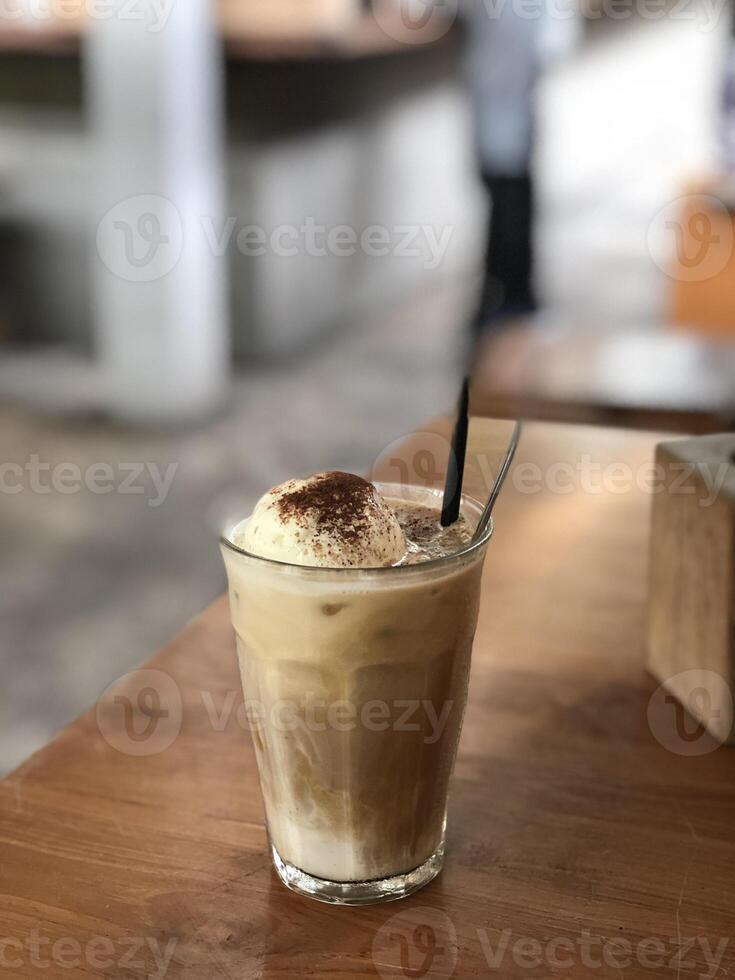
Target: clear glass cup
(355, 683)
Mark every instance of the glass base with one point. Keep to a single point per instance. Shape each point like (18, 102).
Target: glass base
(359, 892)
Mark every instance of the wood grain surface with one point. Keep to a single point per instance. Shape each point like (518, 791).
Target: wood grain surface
(583, 840)
(557, 372)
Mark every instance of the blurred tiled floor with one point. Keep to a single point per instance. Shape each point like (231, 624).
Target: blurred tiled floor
(91, 583)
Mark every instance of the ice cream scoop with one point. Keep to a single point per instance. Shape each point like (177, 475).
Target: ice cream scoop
(332, 520)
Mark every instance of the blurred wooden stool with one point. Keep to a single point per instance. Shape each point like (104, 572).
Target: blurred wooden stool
(632, 378)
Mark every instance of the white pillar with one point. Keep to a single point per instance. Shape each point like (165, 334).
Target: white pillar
(154, 74)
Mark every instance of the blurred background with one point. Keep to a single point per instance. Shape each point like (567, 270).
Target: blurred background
(252, 239)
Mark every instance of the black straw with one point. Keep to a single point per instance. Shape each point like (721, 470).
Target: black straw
(455, 463)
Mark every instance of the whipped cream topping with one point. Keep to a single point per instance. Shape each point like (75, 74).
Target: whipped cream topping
(332, 520)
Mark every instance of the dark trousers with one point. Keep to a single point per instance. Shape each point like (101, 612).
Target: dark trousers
(507, 289)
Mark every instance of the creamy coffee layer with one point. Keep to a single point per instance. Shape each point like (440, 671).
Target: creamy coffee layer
(425, 537)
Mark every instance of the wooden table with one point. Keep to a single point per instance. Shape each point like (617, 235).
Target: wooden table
(633, 377)
(579, 844)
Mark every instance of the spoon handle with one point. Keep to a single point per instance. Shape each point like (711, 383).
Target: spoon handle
(499, 481)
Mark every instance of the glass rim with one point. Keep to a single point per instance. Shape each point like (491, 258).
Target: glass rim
(368, 571)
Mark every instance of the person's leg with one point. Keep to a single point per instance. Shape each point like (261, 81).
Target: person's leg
(508, 288)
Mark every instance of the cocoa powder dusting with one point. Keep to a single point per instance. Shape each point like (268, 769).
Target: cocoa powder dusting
(339, 504)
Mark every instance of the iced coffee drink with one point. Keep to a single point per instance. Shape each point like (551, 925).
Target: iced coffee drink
(354, 612)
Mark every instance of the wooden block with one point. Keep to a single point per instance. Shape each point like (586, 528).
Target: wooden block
(691, 622)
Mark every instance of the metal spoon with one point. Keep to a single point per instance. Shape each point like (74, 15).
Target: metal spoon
(499, 481)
